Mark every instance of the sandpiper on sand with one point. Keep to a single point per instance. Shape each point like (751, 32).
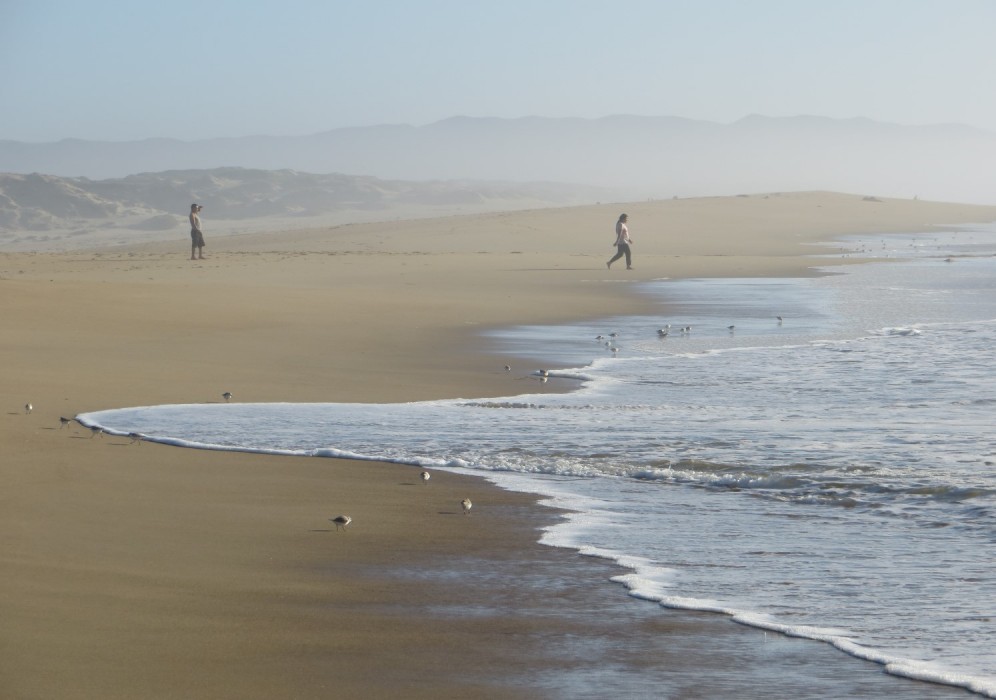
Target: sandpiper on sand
(341, 521)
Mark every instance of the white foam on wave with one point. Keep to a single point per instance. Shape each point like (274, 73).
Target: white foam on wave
(651, 582)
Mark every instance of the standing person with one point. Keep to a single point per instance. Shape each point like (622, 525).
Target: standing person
(622, 243)
(196, 237)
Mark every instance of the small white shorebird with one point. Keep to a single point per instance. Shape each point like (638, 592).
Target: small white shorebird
(136, 437)
(425, 477)
(341, 521)
(467, 505)
(227, 396)
(96, 430)
(63, 422)
(28, 408)
(508, 368)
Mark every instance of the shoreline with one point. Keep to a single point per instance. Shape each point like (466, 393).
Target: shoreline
(120, 540)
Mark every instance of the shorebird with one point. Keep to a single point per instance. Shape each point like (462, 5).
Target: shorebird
(227, 396)
(662, 332)
(96, 430)
(467, 505)
(779, 320)
(731, 328)
(425, 477)
(508, 368)
(341, 521)
(136, 437)
(28, 407)
(63, 422)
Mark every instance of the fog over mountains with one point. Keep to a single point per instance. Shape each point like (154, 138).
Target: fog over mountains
(621, 157)
(651, 156)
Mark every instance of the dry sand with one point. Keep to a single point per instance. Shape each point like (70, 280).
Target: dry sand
(145, 571)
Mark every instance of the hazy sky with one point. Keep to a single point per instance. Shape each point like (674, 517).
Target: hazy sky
(126, 70)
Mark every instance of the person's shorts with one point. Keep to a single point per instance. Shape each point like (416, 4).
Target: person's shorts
(196, 238)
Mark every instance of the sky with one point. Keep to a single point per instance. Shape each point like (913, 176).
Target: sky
(125, 70)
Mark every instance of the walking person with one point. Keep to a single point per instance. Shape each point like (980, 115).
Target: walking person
(196, 237)
(622, 243)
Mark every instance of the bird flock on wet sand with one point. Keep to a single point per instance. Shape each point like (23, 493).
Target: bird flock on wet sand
(609, 340)
(341, 521)
(541, 375)
(96, 431)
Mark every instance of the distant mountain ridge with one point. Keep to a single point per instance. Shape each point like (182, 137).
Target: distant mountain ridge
(643, 156)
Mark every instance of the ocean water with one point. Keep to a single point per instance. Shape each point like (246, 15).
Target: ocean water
(829, 475)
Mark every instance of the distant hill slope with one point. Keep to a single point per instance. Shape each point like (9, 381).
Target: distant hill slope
(646, 156)
(42, 207)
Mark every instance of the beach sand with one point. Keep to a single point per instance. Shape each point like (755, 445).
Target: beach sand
(146, 571)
